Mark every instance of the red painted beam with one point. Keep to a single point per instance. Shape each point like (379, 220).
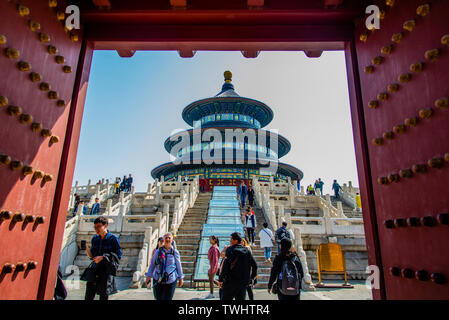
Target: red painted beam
(215, 17)
(238, 38)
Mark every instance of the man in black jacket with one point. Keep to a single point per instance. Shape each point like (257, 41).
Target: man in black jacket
(106, 253)
(251, 196)
(239, 269)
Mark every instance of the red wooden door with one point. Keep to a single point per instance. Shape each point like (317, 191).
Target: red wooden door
(409, 170)
(33, 137)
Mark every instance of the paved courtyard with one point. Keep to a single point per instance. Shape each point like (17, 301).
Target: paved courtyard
(359, 292)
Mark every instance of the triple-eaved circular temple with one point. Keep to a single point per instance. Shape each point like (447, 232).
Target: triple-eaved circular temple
(227, 143)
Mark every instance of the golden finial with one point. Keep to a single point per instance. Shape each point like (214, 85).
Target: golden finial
(228, 76)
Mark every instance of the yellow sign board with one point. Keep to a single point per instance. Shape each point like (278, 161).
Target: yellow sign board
(331, 260)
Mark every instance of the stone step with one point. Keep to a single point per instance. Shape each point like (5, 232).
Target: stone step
(187, 258)
(185, 252)
(192, 226)
(192, 241)
(187, 264)
(188, 247)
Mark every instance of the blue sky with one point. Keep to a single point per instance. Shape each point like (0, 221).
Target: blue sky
(134, 104)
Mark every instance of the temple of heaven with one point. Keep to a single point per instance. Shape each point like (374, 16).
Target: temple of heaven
(227, 142)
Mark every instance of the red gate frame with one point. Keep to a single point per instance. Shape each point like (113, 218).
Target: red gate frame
(223, 38)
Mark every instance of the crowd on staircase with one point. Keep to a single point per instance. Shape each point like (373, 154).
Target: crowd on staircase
(235, 266)
(120, 185)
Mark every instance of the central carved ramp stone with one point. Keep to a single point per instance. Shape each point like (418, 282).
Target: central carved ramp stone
(223, 218)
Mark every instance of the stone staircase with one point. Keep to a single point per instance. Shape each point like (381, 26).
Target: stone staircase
(263, 269)
(189, 234)
(347, 210)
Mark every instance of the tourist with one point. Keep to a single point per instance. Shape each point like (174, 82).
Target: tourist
(105, 253)
(266, 241)
(282, 233)
(95, 207)
(320, 183)
(165, 268)
(316, 186)
(251, 196)
(84, 208)
(249, 287)
(214, 256)
(160, 243)
(358, 202)
(129, 183)
(123, 184)
(243, 190)
(336, 187)
(250, 225)
(202, 184)
(239, 269)
(117, 185)
(77, 200)
(310, 190)
(287, 272)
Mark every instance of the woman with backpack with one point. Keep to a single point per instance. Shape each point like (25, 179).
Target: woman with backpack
(287, 272)
(165, 268)
(213, 255)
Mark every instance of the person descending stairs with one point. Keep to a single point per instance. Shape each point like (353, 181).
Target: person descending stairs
(264, 267)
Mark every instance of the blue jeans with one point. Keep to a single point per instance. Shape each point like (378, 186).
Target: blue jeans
(267, 252)
(242, 199)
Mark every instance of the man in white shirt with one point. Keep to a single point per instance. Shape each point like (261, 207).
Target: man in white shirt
(266, 241)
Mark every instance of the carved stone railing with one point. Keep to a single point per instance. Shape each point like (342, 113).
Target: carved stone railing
(297, 242)
(102, 191)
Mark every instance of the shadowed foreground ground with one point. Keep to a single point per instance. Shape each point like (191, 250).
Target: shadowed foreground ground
(360, 292)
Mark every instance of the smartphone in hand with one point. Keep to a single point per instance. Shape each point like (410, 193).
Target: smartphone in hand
(83, 244)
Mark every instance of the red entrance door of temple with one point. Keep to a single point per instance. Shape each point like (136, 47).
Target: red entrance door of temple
(405, 225)
(38, 64)
(403, 71)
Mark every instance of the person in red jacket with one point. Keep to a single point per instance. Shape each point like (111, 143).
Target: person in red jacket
(213, 256)
(203, 183)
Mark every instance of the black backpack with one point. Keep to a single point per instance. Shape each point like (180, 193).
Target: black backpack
(289, 279)
(283, 233)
